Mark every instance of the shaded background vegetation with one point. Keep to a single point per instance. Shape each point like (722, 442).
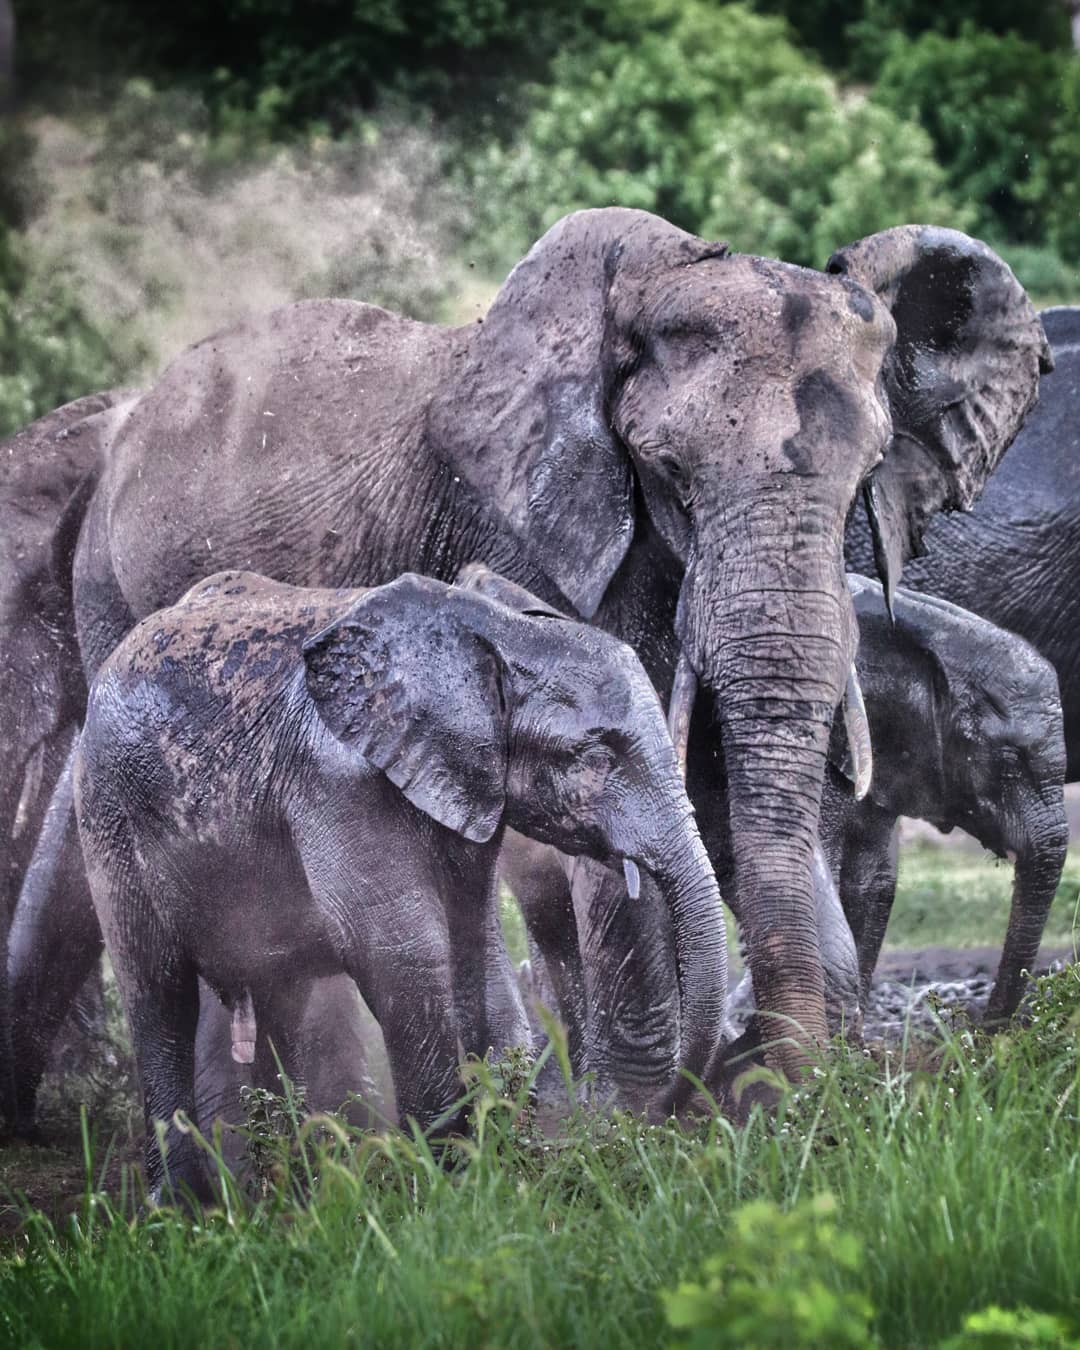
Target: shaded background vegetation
(163, 172)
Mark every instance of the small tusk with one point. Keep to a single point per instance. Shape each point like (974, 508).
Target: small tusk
(681, 708)
(633, 878)
(858, 736)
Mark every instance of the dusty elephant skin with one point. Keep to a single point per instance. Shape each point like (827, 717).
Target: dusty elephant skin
(45, 476)
(665, 435)
(967, 727)
(277, 784)
(1015, 558)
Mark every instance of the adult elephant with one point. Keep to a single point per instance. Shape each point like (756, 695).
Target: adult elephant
(1015, 559)
(661, 433)
(44, 473)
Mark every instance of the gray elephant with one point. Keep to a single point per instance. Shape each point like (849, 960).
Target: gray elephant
(663, 435)
(46, 475)
(1015, 558)
(276, 784)
(967, 727)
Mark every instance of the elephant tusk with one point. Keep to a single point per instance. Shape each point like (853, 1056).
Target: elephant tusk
(858, 735)
(883, 560)
(633, 878)
(681, 708)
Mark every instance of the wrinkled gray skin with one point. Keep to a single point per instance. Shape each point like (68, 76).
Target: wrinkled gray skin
(45, 472)
(1015, 558)
(636, 400)
(276, 784)
(967, 729)
(339, 1050)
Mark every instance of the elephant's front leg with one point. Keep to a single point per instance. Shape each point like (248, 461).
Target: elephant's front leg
(383, 900)
(537, 877)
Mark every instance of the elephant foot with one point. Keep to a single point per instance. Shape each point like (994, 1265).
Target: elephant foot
(739, 1079)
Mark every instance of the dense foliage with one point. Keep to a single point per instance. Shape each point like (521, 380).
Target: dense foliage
(786, 128)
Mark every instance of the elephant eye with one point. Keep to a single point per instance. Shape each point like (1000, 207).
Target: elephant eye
(671, 466)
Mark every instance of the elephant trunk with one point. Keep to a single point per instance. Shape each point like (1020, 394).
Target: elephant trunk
(1039, 863)
(769, 626)
(684, 877)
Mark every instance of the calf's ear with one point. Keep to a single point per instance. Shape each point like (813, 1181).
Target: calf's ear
(402, 679)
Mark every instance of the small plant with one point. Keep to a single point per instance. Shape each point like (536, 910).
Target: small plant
(774, 1283)
(997, 1328)
(271, 1123)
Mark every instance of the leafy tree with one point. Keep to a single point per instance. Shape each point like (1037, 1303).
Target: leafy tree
(989, 104)
(323, 58)
(854, 35)
(714, 120)
(801, 170)
(630, 119)
(50, 350)
(1055, 185)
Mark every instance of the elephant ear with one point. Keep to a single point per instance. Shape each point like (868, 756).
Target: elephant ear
(407, 682)
(961, 377)
(526, 412)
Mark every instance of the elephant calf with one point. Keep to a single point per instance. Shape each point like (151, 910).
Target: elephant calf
(967, 732)
(277, 784)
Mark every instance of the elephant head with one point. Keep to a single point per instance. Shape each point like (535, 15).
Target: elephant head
(485, 713)
(631, 377)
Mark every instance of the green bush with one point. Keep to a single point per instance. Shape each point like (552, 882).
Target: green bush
(774, 1283)
(1055, 185)
(630, 119)
(323, 59)
(989, 104)
(854, 35)
(803, 169)
(50, 349)
(711, 118)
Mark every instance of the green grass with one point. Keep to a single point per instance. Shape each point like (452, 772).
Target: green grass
(955, 1185)
(960, 898)
(888, 1203)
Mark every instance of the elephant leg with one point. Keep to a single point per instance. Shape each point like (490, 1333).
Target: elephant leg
(26, 791)
(163, 1013)
(394, 943)
(868, 885)
(345, 1064)
(218, 1078)
(536, 875)
(54, 944)
(279, 1015)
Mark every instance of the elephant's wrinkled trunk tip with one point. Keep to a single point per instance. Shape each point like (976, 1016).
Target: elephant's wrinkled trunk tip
(858, 735)
(681, 708)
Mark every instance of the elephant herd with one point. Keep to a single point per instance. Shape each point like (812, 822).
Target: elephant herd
(348, 616)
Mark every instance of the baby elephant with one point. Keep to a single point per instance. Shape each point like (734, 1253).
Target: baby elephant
(966, 725)
(277, 784)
